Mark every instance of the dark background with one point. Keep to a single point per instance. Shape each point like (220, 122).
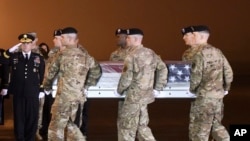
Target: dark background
(161, 20)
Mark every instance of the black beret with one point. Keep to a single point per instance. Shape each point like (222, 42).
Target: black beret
(57, 32)
(69, 30)
(26, 38)
(200, 28)
(133, 31)
(187, 30)
(120, 31)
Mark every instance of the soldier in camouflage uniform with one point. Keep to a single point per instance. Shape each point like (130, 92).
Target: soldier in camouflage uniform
(211, 77)
(189, 39)
(72, 66)
(143, 72)
(119, 55)
(122, 51)
(49, 97)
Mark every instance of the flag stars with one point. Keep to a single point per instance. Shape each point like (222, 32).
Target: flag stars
(172, 79)
(172, 67)
(179, 72)
(187, 78)
(187, 67)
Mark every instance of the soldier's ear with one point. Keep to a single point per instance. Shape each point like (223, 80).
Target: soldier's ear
(77, 40)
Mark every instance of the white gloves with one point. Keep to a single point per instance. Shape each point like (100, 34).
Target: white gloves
(53, 94)
(47, 92)
(15, 47)
(85, 92)
(4, 92)
(156, 92)
(225, 92)
(41, 94)
(191, 94)
(117, 94)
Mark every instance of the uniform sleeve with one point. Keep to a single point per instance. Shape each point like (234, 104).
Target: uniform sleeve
(196, 73)
(114, 56)
(111, 58)
(227, 74)
(184, 56)
(161, 74)
(126, 76)
(51, 72)
(41, 72)
(94, 73)
(5, 70)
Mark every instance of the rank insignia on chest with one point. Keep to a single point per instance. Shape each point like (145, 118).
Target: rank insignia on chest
(34, 69)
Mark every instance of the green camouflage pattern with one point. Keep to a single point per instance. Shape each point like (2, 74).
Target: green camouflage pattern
(119, 54)
(95, 71)
(211, 73)
(205, 117)
(138, 75)
(134, 123)
(211, 76)
(138, 79)
(190, 52)
(72, 66)
(62, 126)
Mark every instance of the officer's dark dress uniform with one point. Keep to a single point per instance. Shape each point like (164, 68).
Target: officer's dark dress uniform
(25, 85)
(4, 78)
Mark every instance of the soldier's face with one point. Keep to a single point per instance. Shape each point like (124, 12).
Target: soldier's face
(26, 47)
(64, 39)
(121, 39)
(57, 41)
(189, 39)
(130, 40)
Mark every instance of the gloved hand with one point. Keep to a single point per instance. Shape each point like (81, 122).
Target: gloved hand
(41, 94)
(225, 92)
(117, 94)
(156, 92)
(53, 94)
(191, 95)
(15, 47)
(47, 92)
(85, 92)
(4, 92)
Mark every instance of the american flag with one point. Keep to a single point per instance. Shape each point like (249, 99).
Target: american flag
(178, 72)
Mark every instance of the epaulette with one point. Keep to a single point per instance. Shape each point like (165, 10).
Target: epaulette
(6, 55)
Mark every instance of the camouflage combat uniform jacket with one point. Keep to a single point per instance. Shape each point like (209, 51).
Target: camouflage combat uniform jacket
(143, 71)
(211, 73)
(72, 74)
(119, 54)
(190, 52)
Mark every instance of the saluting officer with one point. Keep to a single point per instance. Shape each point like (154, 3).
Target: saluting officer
(25, 85)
